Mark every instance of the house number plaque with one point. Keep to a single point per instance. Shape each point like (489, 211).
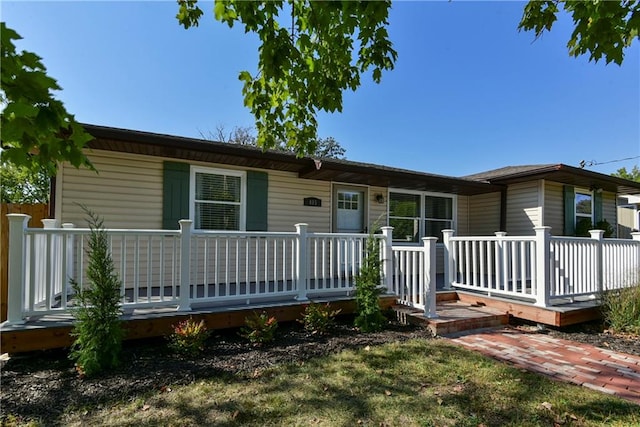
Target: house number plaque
(312, 201)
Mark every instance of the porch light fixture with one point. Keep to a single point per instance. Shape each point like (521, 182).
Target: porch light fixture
(380, 198)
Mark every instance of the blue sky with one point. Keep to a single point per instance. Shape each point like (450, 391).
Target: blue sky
(469, 92)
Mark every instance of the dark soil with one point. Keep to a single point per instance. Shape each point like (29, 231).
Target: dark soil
(41, 385)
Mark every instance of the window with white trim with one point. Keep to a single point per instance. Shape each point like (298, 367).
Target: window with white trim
(217, 199)
(414, 215)
(583, 211)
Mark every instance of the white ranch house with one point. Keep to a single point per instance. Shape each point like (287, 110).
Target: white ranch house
(235, 225)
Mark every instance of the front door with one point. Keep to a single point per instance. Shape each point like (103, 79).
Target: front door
(350, 208)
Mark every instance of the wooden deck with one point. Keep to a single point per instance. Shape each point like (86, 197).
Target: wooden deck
(457, 311)
(52, 331)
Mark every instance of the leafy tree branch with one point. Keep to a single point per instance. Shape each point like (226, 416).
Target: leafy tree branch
(306, 68)
(37, 131)
(602, 29)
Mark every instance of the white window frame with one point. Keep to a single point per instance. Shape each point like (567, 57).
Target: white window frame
(577, 215)
(218, 171)
(423, 207)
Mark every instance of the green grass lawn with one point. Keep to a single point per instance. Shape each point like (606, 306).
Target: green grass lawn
(415, 383)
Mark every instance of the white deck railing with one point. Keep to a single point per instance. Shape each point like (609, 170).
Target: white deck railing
(184, 267)
(542, 269)
(414, 275)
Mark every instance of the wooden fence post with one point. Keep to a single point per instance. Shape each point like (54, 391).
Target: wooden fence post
(302, 263)
(543, 251)
(449, 265)
(387, 259)
(185, 265)
(429, 291)
(17, 226)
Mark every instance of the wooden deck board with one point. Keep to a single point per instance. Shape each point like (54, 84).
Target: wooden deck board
(53, 331)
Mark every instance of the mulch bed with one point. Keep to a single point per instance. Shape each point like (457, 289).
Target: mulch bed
(42, 385)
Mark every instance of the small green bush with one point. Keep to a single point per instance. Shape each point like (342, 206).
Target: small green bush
(621, 310)
(259, 328)
(318, 318)
(188, 337)
(369, 317)
(97, 329)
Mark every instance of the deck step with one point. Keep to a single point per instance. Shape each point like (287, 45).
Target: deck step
(455, 316)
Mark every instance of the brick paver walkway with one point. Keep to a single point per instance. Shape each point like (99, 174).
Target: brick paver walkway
(599, 369)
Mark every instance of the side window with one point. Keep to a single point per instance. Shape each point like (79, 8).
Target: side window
(438, 215)
(416, 215)
(583, 212)
(217, 199)
(404, 216)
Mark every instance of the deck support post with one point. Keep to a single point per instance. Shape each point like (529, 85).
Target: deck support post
(301, 262)
(449, 265)
(184, 303)
(17, 257)
(636, 273)
(429, 274)
(598, 235)
(387, 259)
(68, 267)
(502, 266)
(543, 251)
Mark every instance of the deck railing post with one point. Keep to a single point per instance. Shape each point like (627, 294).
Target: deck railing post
(51, 252)
(449, 266)
(543, 251)
(17, 251)
(68, 269)
(185, 265)
(387, 254)
(598, 236)
(429, 290)
(635, 274)
(501, 267)
(302, 263)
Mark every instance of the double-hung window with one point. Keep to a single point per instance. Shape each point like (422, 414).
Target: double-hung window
(218, 199)
(414, 215)
(583, 212)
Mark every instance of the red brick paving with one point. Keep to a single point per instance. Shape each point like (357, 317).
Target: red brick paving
(582, 364)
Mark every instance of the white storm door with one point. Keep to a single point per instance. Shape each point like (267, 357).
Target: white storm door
(350, 211)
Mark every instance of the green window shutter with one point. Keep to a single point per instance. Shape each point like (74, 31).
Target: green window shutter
(569, 210)
(175, 194)
(257, 200)
(597, 207)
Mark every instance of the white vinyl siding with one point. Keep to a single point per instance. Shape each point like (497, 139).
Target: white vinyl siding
(609, 210)
(377, 211)
(554, 207)
(286, 203)
(484, 214)
(464, 216)
(126, 192)
(523, 210)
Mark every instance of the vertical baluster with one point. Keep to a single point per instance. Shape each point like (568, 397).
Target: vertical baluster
(226, 267)
(149, 261)
(161, 266)
(266, 265)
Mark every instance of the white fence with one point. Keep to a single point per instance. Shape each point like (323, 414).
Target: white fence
(414, 275)
(542, 269)
(184, 267)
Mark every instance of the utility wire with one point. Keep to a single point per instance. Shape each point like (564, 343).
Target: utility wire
(590, 163)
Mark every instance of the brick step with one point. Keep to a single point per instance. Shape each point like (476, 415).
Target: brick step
(453, 317)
